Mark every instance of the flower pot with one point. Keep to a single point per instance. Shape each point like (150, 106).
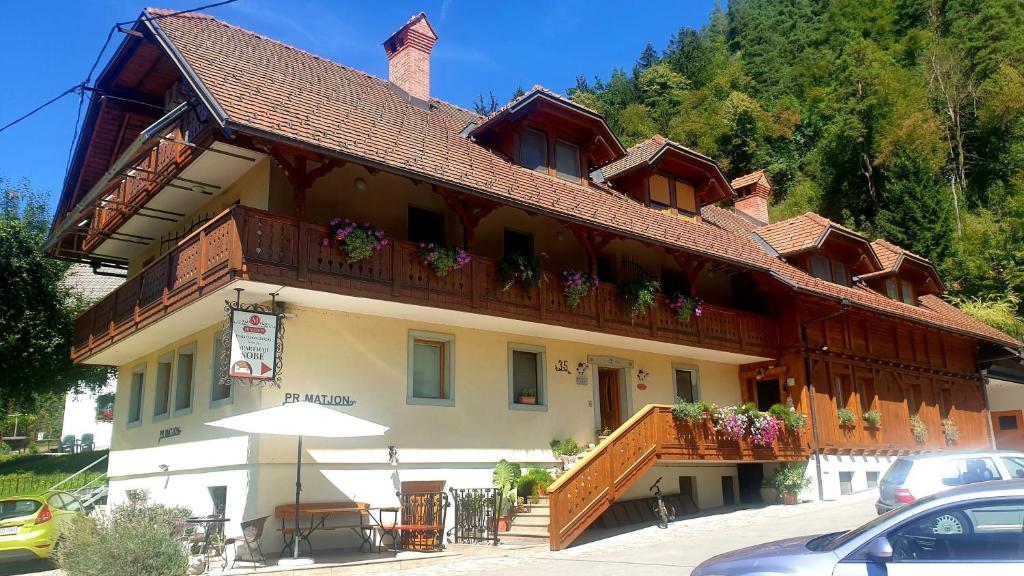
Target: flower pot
(524, 399)
(500, 524)
(789, 498)
(769, 495)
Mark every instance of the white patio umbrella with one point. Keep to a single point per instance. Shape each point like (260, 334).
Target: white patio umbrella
(301, 419)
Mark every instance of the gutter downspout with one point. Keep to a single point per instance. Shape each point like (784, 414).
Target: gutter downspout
(844, 307)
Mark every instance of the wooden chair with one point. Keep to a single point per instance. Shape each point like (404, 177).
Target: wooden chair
(421, 520)
(252, 531)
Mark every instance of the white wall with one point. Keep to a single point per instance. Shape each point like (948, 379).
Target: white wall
(832, 465)
(80, 416)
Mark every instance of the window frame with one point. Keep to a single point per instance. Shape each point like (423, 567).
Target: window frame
(823, 260)
(841, 279)
(907, 290)
(506, 253)
(892, 288)
(448, 362)
(139, 370)
(542, 377)
(578, 177)
(215, 373)
(412, 209)
(187, 349)
(694, 371)
(670, 197)
(545, 153)
(165, 358)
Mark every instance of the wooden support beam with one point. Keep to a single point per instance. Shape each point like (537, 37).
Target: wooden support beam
(592, 242)
(298, 176)
(470, 211)
(691, 267)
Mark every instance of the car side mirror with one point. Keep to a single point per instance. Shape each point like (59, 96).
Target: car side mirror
(880, 550)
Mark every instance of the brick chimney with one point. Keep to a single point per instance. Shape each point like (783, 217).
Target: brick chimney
(408, 52)
(752, 193)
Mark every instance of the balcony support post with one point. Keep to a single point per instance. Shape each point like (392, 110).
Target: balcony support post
(300, 179)
(470, 211)
(592, 243)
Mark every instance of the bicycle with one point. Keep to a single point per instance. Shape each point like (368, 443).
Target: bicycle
(662, 511)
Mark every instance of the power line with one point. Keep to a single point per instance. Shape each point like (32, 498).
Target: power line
(41, 106)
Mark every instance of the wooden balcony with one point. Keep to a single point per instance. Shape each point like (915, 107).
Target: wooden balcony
(264, 247)
(590, 487)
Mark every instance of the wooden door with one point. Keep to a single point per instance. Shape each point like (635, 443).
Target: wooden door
(610, 398)
(1008, 426)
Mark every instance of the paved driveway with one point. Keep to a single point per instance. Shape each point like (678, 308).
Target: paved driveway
(676, 550)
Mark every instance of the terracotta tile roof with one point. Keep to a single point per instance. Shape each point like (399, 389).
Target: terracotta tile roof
(728, 220)
(889, 253)
(801, 232)
(747, 179)
(643, 152)
(267, 87)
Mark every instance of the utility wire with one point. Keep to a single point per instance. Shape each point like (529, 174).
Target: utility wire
(41, 106)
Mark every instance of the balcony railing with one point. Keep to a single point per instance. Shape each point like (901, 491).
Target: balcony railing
(265, 247)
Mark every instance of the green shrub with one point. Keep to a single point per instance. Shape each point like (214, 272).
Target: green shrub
(638, 297)
(131, 539)
(506, 478)
(793, 420)
(533, 478)
(790, 477)
(918, 429)
(567, 447)
(950, 431)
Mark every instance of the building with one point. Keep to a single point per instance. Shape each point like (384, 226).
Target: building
(215, 159)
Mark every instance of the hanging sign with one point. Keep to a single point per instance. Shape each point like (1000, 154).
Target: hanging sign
(253, 345)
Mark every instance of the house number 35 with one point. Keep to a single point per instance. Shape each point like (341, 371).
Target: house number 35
(562, 366)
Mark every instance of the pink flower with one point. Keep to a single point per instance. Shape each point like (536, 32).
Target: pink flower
(325, 242)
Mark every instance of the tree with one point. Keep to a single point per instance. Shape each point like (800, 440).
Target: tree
(518, 92)
(38, 312)
(485, 107)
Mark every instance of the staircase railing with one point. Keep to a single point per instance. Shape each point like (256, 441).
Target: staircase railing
(90, 493)
(584, 492)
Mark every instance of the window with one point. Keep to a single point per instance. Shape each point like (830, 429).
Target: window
(842, 391)
(686, 197)
(567, 161)
(969, 471)
(184, 378)
(220, 393)
(821, 267)
(606, 269)
(866, 391)
(891, 290)
(913, 399)
(686, 383)
(518, 244)
(945, 402)
(430, 369)
(907, 291)
(1008, 422)
(526, 378)
(135, 391)
(984, 531)
(1014, 465)
(425, 226)
(163, 386)
(839, 273)
(661, 196)
(533, 150)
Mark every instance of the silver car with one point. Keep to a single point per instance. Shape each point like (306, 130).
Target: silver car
(913, 477)
(972, 529)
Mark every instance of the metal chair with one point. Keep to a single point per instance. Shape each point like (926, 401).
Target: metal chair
(68, 443)
(87, 443)
(252, 531)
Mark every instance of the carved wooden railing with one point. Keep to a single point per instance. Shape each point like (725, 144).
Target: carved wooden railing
(586, 490)
(283, 250)
(153, 169)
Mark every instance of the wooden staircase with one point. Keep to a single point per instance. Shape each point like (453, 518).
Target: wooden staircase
(580, 495)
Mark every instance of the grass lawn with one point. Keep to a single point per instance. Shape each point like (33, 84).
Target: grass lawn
(33, 473)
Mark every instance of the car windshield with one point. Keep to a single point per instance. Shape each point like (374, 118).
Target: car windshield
(17, 508)
(833, 541)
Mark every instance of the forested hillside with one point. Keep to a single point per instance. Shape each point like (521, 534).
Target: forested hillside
(901, 118)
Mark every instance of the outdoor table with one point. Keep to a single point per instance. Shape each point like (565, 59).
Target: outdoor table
(209, 523)
(391, 528)
(318, 514)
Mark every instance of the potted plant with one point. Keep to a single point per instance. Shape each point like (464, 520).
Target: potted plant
(441, 259)
(535, 482)
(691, 412)
(359, 242)
(638, 297)
(685, 307)
(576, 286)
(950, 431)
(769, 495)
(793, 420)
(732, 422)
(528, 395)
(764, 429)
(506, 479)
(918, 429)
(603, 433)
(565, 450)
(790, 479)
(521, 268)
(873, 418)
(846, 418)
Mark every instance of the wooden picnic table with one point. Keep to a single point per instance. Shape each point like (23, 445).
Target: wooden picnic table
(315, 516)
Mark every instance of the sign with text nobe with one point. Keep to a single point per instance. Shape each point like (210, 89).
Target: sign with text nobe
(253, 345)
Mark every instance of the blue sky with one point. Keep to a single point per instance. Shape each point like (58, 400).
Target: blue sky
(47, 47)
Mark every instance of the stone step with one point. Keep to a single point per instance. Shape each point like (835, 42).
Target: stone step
(535, 513)
(525, 532)
(531, 521)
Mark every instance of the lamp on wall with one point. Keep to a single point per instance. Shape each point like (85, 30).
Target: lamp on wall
(582, 367)
(392, 456)
(360, 185)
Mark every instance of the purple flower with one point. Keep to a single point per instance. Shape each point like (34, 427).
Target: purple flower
(335, 221)
(325, 242)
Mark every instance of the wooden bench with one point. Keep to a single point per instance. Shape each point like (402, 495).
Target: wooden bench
(315, 516)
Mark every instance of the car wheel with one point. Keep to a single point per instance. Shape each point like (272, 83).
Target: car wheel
(952, 523)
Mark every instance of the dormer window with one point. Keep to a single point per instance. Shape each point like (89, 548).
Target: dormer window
(533, 150)
(901, 290)
(567, 161)
(830, 270)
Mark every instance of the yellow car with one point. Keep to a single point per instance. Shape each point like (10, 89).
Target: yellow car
(30, 525)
